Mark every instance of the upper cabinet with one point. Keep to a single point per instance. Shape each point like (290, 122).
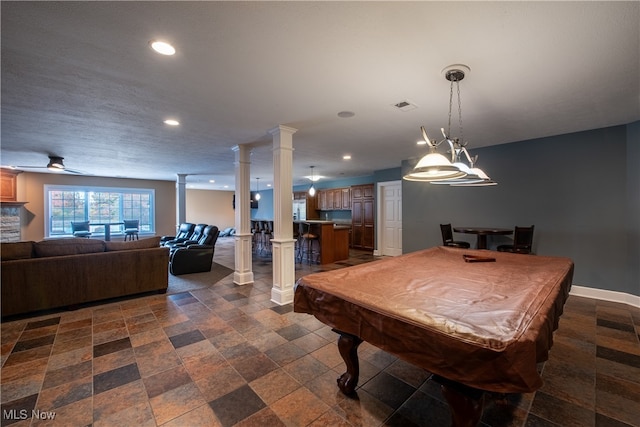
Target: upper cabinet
(8, 178)
(334, 199)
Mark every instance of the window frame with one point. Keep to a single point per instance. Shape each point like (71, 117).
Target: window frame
(121, 191)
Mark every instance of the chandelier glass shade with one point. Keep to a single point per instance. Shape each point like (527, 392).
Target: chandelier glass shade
(257, 196)
(436, 168)
(312, 189)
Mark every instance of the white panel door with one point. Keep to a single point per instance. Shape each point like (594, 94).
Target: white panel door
(391, 218)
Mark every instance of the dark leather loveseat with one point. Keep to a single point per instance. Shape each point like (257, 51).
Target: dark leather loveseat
(194, 256)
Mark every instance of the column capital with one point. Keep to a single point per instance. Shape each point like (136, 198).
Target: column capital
(282, 129)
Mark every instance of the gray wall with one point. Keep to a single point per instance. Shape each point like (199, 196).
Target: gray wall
(633, 196)
(581, 190)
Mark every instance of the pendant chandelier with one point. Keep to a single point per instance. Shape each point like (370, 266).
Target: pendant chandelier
(435, 167)
(312, 189)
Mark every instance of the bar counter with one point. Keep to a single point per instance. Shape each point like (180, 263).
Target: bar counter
(333, 240)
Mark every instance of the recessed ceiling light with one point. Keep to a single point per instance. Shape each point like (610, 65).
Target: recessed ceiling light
(212, 181)
(346, 114)
(163, 48)
(268, 185)
(346, 157)
(421, 142)
(171, 122)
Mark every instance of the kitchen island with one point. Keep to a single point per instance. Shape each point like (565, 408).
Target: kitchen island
(333, 240)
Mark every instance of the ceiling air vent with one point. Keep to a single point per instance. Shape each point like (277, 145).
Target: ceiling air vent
(405, 106)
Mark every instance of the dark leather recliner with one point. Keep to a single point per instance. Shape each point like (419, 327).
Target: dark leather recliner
(184, 232)
(194, 258)
(191, 239)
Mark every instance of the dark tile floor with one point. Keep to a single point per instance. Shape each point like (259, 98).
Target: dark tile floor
(226, 356)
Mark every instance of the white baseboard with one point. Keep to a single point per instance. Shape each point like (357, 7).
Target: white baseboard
(601, 294)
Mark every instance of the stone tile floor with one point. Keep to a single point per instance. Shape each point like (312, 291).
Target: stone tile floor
(227, 356)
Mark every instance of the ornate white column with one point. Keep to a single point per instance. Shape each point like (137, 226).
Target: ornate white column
(243, 273)
(283, 244)
(181, 199)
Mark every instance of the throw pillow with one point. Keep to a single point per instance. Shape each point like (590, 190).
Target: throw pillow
(16, 250)
(151, 242)
(61, 247)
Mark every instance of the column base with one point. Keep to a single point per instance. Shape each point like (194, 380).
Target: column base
(282, 297)
(242, 278)
(243, 275)
(283, 271)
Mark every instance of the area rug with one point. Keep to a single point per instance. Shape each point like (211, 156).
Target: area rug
(190, 282)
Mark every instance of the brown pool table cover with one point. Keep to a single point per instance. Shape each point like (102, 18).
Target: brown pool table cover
(483, 324)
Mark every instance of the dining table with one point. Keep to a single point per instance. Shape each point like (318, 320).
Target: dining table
(482, 233)
(107, 228)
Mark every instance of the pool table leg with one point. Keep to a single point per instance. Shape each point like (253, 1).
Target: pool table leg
(348, 346)
(466, 403)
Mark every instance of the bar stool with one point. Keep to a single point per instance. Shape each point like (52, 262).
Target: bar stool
(259, 236)
(296, 236)
(254, 235)
(267, 235)
(307, 242)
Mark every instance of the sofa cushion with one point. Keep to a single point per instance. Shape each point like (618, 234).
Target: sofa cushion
(151, 242)
(16, 250)
(74, 246)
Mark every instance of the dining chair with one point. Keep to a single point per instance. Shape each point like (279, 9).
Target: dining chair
(447, 238)
(522, 241)
(80, 229)
(131, 229)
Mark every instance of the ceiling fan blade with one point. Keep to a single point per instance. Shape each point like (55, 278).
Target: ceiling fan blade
(74, 171)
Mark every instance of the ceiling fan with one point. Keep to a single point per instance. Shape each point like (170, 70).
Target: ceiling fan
(55, 164)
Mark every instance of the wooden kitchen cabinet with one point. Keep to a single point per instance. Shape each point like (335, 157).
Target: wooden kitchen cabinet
(336, 195)
(335, 199)
(8, 191)
(322, 200)
(362, 217)
(346, 198)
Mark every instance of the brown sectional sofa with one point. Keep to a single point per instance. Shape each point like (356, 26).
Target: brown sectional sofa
(67, 272)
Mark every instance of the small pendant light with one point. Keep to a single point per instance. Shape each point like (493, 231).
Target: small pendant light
(312, 190)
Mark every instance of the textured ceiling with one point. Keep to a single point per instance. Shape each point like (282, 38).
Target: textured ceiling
(79, 81)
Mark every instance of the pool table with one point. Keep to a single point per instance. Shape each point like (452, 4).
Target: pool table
(477, 320)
